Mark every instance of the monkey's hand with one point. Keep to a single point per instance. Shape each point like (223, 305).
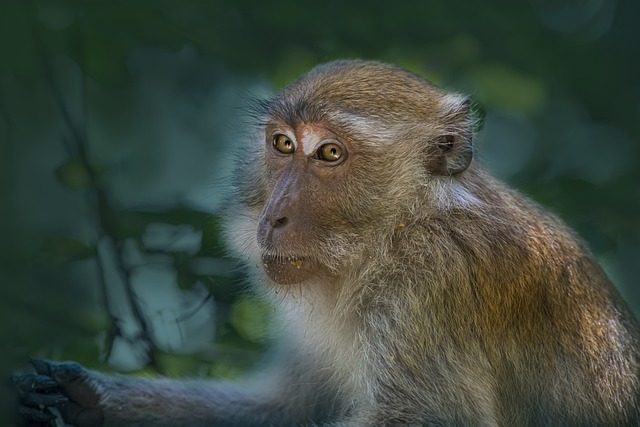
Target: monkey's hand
(63, 388)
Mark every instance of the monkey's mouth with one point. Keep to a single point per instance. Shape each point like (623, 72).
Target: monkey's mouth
(288, 269)
(294, 260)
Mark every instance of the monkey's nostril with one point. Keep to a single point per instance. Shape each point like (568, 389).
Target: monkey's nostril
(280, 222)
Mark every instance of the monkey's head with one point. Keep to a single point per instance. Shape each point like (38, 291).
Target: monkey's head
(347, 152)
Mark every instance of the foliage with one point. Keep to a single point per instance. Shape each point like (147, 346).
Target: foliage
(118, 122)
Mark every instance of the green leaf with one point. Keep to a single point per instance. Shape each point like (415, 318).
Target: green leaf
(179, 365)
(73, 174)
(250, 318)
(59, 250)
(226, 370)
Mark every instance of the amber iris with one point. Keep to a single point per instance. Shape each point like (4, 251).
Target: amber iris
(330, 152)
(283, 144)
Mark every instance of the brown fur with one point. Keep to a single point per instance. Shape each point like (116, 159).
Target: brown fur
(452, 298)
(412, 287)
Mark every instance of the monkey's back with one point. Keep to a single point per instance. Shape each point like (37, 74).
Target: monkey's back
(558, 337)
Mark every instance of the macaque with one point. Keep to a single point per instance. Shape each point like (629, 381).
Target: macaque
(412, 288)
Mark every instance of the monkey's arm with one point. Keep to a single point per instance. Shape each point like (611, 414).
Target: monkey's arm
(91, 399)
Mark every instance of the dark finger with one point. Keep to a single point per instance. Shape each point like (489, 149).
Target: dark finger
(26, 383)
(67, 373)
(48, 400)
(41, 367)
(62, 373)
(37, 415)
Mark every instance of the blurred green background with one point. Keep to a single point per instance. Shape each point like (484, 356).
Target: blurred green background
(119, 120)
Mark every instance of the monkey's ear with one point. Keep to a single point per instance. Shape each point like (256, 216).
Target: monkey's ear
(451, 151)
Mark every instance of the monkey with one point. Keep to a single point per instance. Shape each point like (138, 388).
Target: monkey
(411, 286)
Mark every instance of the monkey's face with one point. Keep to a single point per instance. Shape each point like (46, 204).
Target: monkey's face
(306, 169)
(344, 155)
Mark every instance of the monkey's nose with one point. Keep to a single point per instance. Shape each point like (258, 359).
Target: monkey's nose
(280, 222)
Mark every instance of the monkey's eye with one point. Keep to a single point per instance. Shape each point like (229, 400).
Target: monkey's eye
(283, 144)
(330, 152)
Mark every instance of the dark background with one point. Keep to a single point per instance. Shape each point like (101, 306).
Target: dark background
(119, 120)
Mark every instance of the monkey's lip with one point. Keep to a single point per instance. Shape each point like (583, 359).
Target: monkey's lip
(288, 269)
(271, 258)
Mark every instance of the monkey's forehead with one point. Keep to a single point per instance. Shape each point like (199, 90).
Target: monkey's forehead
(358, 88)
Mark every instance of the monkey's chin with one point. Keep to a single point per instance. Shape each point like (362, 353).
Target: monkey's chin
(288, 270)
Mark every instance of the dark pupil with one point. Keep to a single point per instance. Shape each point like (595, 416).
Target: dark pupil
(333, 151)
(283, 143)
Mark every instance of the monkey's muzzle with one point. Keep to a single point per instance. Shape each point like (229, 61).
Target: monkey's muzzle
(288, 270)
